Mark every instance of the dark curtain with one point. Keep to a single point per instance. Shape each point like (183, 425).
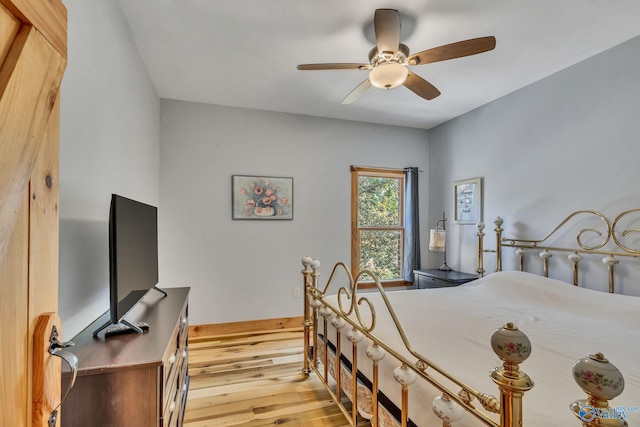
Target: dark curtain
(411, 223)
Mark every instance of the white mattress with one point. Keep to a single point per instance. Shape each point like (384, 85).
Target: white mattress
(452, 327)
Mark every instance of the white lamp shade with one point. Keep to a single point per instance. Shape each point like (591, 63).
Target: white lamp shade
(388, 76)
(437, 240)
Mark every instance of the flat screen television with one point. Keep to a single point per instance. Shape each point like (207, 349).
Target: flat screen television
(133, 258)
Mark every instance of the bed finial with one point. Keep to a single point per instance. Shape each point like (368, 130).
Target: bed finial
(447, 410)
(306, 262)
(521, 253)
(611, 261)
(498, 222)
(315, 265)
(602, 381)
(405, 377)
(575, 258)
(512, 347)
(545, 255)
(307, 285)
(480, 269)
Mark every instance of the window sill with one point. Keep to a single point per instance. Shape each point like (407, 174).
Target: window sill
(397, 283)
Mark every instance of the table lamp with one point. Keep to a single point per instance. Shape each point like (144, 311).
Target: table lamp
(437, 241)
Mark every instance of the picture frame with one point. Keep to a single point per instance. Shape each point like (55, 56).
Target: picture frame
(258, 197)
(467, 201)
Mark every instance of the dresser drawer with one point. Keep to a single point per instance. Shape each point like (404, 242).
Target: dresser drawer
(175, 373)
(170, 369)
(176, 391)
(169, 415)
(182, 388)
(425, 282)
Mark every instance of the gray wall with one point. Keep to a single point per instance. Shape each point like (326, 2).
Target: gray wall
(243, 270)
(109, 144)
(110, 133)
(568, 142)
(565, 143)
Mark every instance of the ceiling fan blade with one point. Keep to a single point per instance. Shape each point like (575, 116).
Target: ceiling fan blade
(421, 87)
(357, 92)
(453, 50)
(386, 24)
(345, 66)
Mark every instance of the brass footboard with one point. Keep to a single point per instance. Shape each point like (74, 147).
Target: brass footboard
(456, 395)
(361, 406)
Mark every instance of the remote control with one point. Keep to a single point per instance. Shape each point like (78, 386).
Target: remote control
(122, 328)
(142, 325)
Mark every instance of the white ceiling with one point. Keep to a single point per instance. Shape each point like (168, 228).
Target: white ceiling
(244, 53)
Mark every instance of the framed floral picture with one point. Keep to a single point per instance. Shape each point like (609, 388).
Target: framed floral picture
(261, 197)
(467, 199)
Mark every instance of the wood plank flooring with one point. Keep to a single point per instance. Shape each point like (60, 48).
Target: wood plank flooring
(255, 380)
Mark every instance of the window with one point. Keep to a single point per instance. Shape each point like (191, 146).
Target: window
(377, 222)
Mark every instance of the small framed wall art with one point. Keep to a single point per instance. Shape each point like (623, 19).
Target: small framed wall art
(261, 197)
(467, 199)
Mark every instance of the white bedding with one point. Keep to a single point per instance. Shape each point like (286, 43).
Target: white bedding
(452, 327)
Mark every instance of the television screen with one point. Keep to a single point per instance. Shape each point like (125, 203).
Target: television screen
(133, 255)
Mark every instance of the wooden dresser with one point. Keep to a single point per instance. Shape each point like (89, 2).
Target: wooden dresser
(133, 380)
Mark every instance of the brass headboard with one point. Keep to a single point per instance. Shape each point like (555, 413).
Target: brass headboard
(606, 231)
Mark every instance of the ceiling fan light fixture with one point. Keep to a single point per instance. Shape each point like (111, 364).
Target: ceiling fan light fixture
(388, 76)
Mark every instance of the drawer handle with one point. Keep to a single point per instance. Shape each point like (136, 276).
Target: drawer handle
(172, 359)
(172, 406)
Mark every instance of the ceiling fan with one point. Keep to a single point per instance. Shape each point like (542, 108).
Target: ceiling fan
(389, 60)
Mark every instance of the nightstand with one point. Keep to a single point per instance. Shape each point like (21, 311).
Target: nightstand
(440, 279)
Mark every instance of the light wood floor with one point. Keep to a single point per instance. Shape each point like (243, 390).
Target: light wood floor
(252, 380)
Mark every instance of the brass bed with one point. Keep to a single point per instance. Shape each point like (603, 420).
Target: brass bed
(383, 338)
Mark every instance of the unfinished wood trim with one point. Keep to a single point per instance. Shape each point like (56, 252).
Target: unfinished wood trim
(49, 17)
(208, 330)
(356, 173)
(399, 283)
(14, 296)
(44, 219)
(43, 269)
(9, 26)
(29, 82)
(377, 171)
(32, 62)
(355, 233)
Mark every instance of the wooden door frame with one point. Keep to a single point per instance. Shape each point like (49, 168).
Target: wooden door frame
(32, 63)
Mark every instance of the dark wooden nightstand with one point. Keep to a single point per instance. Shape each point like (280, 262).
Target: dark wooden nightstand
(440, 279)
